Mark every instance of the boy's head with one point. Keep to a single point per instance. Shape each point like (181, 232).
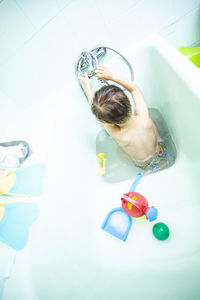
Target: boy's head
(111, 105)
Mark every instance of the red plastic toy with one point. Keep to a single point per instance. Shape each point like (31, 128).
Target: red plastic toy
(136, 205)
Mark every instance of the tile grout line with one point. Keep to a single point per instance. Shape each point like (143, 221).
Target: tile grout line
(126, 11)
(23, 12)
(178, 19)
(32, 36)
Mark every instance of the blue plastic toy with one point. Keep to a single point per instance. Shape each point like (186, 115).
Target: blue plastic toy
(133, 204)
(120, 226)
(135, 182)
(121, 229)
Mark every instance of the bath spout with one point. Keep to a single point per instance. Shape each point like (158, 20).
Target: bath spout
(88, 61)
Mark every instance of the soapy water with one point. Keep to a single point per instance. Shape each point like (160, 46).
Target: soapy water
(119, 166)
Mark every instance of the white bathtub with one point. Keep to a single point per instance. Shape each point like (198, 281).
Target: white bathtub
(68, 255)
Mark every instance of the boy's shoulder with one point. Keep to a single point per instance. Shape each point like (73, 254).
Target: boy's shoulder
(112, 129)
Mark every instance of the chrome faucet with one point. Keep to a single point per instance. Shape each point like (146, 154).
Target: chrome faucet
(89, 60)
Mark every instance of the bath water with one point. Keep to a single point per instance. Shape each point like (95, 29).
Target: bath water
(119, 166)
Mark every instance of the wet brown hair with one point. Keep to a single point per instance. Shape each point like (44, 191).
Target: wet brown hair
(111, 105)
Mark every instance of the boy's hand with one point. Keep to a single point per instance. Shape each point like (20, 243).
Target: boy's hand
(103, 73)
(85, 80)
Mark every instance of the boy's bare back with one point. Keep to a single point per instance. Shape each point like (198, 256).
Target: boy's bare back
(138, 136)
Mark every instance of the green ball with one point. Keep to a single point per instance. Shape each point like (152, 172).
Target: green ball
(161, 231)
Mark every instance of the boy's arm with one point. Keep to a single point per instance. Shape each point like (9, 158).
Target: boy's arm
(88, 87)
(138, 98)
(140, 104)
(111, 129)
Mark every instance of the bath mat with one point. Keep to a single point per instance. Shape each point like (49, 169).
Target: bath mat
(15, 222)
(7, 182)
(28, 181)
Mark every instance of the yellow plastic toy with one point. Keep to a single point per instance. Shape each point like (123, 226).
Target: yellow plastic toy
(193, 54)
(102, 163)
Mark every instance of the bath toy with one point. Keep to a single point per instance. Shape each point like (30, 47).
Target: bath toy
(135, 182)
(102, 163)
(161, 231)
(136, 205)
(119, 166)
(193, 54)
(24, 181)
(15, 222)
(118, 223)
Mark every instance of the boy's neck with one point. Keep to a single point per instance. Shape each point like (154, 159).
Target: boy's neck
(126, 124)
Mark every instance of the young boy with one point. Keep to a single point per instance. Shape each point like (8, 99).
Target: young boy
(136, 133)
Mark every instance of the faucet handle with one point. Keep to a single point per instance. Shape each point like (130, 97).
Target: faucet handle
(90, 60)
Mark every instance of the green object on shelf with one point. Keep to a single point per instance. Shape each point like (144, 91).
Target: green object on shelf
(161, 231)
(193, 54)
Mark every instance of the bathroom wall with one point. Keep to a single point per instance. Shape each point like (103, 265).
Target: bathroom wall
(40, 40)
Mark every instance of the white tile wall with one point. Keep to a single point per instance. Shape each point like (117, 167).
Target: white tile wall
(153, 15)
(15, 28)
(38, 12)
(63, 3)
(43, 65)
(110, 10)
(86, 22)
(40, 40)
(185, 29)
